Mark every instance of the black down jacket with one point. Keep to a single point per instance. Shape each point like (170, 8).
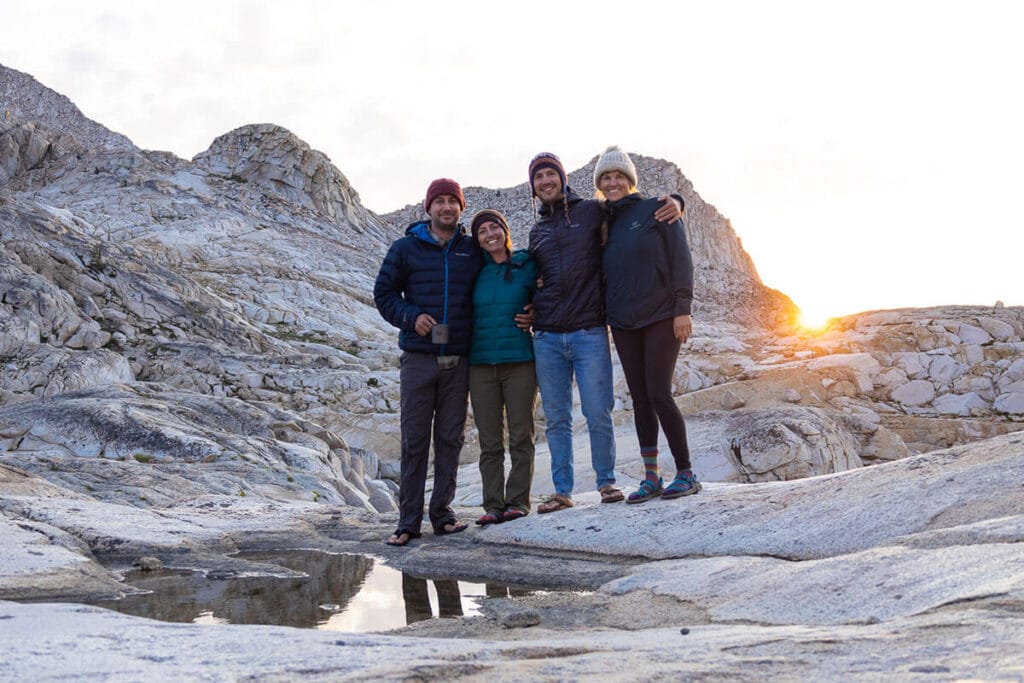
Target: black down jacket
(568, 256)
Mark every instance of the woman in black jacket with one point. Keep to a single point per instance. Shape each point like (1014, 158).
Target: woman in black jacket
(649, 277)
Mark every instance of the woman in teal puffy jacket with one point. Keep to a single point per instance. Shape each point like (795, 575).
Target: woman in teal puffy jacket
(502, 382)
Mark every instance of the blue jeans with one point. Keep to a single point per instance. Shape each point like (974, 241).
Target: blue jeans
(587, 355)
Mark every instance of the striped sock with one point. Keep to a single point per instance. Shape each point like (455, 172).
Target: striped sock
(650, 458)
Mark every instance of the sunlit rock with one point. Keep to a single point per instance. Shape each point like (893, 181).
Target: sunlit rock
(914, 393)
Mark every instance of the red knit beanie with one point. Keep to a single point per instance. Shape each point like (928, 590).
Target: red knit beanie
(444, 186)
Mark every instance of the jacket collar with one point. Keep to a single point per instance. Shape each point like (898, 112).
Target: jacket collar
(546, 210)
(421, 230)
(619, 205)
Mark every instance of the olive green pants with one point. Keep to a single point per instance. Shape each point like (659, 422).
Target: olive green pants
(497, 391)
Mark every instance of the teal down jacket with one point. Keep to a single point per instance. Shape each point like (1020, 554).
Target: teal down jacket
(496, 301)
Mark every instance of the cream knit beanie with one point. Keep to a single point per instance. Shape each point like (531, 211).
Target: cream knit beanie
(614, 159)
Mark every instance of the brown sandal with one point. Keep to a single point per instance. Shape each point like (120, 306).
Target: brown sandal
(610, 494)
(554, 503)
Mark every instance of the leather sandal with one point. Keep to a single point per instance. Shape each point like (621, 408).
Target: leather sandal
(554, 503)
(610, 494)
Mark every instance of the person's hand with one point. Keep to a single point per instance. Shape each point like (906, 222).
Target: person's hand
(669, 211)
(524, 320)
(682, 326)
(424, 321)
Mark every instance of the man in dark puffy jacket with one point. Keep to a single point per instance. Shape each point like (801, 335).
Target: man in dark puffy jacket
(425, 289)
(570, 338)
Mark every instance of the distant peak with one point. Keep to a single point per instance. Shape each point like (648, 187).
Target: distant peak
(282, 164)
(23, 99)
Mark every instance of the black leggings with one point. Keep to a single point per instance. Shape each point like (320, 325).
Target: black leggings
(648, 357)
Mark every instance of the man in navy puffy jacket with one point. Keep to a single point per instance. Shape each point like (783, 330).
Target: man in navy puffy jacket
(425, 289)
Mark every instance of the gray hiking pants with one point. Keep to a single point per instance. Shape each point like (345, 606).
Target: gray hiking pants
(434, 402)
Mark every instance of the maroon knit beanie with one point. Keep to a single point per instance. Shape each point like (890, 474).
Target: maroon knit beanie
(444, 186)
(547, 160)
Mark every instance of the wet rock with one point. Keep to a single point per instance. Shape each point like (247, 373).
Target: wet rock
(149, 563)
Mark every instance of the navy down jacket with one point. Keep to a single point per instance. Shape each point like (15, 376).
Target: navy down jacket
(417, 276)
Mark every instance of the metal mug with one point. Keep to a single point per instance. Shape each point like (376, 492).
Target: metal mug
(439, 334)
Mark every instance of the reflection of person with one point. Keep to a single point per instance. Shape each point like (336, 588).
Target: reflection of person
(416, 597)
(649, 276)
(425, 289)
(570, 337)
(449, 598)
(501, 375)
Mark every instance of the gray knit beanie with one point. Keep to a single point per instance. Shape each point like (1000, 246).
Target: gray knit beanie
(614, 159)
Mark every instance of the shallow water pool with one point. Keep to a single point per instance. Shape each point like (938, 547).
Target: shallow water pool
(353, 593)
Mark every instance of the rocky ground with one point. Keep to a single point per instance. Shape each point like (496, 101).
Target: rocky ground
(904, 570)
(191, 366)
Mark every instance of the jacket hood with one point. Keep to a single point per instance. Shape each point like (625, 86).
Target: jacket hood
(421, 230)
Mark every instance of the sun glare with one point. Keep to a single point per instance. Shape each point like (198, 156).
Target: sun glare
(814, 321)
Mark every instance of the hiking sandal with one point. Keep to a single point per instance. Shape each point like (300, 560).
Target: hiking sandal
(685, 484)
(648, 489)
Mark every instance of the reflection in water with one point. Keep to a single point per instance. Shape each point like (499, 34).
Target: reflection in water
(339, 592)
(417, 598)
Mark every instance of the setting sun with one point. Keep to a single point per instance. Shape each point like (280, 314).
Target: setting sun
(813, 320)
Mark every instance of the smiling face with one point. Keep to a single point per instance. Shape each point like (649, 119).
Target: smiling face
(615, 185)
(547, 185)
(444, 213)
(491, 236)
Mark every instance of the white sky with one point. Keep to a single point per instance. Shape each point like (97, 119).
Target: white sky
(869, 154)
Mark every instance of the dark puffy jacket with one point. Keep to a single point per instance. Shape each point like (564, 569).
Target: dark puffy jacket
(647, 265)
(496, 301)
(568, 256)
(418, 276)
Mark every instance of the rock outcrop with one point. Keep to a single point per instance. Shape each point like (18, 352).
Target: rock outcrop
(284, 166)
